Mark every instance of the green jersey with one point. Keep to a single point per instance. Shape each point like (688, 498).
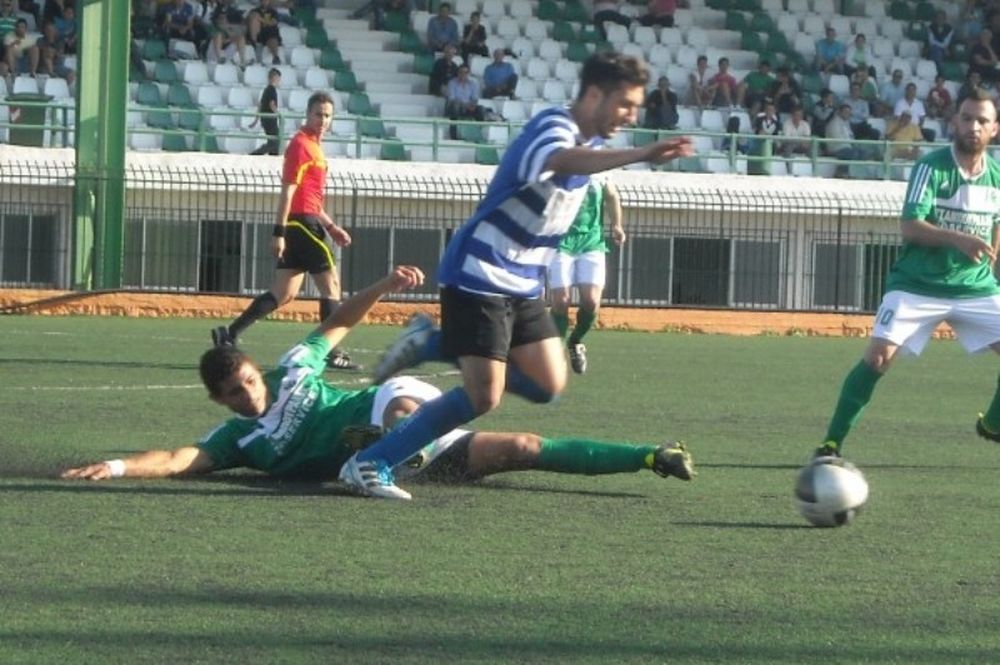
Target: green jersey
(758, 81)
(939, 194)
(300, 432)
(587, 232)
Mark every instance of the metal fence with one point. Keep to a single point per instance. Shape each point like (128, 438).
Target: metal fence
(691, 244)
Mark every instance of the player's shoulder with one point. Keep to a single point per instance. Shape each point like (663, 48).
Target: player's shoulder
(552, 118)
(940, 159)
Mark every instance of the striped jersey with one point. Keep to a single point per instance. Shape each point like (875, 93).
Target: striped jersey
(299, 435)
(305, 167)
(505, 247)
(940, 193)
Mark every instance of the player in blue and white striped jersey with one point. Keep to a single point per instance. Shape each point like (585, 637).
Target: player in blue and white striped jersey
(493, 321)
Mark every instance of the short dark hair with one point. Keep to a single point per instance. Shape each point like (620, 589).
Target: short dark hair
(274, 71)
(318, 98)
(976, 94)
(609, 70)
(218, 364)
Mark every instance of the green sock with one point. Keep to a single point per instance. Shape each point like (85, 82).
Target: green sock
(992, 416)
(562, 323)
(584, 321)
(582, 456)
(854, 397)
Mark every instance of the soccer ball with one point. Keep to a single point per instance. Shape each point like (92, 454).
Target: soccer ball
(830, 491)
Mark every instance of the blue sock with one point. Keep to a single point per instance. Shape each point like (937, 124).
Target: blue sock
(518, 383)
(432, 349)
(434, 418)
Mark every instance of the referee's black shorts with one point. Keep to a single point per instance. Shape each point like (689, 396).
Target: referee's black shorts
(306, 248)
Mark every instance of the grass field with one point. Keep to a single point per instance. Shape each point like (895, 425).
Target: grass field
(530, 567)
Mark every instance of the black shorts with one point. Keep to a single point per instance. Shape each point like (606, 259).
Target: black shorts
(473, 324)
(306, 249)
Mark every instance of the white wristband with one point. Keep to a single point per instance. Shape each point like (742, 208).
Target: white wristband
(116, 467)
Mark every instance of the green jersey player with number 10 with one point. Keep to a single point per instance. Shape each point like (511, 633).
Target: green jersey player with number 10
(946, 269)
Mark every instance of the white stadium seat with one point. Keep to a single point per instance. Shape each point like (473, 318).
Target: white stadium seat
(316, 78)
(226, 74)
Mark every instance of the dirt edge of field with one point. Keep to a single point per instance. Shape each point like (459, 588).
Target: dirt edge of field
(29, 301)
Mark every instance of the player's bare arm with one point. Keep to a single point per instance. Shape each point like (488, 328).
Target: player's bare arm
(353, 310)
(339, 235)
(186, 460)
(923, 233)
(284, 206)
(585, 161)
(613, 206)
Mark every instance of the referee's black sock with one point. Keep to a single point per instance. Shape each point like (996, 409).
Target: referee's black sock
(261, 306)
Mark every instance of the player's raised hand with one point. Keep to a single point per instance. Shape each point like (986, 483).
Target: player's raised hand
(405, 277)
(668, 149)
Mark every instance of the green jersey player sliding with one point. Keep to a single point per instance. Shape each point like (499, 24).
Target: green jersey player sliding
(290, 423)
(946, 269)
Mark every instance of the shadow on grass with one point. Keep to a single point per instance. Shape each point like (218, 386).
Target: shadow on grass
(500, 486)
(98, 363)
(780, 526)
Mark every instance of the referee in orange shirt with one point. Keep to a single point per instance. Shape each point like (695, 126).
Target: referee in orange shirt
(300, 230)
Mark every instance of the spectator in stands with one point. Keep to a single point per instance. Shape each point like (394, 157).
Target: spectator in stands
(830, 54)
(983, 59)
(8, 21)
(841, 138)
(755, 87)
(229, 41)
(263, 32)
(177, 21)
(444, 70)
(659, 12)
(939, 103)
(473, 38)
(972, 82)
(725, 85)
(52, 54)
(970, 21)
(661, 106)
(66, 25)
(859, 56)
(608, 10)
(463, 98)
(700, 89)
(869, 91)
(910, 103)
(499, 77)
(442, 30)
(939, 37)
(31, 12)
(860, 112)
(796, 134)
(266, 110)
(53, 9)
(766, 123)
(20, 51)
(785, 91)
(822, 111)
(904, 133)
(889, 93)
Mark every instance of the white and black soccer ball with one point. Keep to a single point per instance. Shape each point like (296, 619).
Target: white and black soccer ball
(830, 491)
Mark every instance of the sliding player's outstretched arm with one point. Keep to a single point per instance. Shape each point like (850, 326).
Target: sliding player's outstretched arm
(186, 460)
(352, 311)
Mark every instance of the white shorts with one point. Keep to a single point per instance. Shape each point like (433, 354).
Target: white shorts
(567, 270)
(418, 391)
(908, 320)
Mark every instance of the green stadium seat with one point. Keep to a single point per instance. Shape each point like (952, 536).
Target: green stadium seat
(396, 22)
(737, 21)
(423, 63)
(762, 22)
(589, 34)
(604, 47)
(161, 119)
(917, 31)
(359, 104)
(576, 12)
(746, 5)
(178, 94)
(345, 81)
(165, 71)
(778, 43)
(330, 58)
(372, 127)
(562, 31)
(487, 155)
(209, 143)
(548, 11)
(393, 151)
(953, 70)
(719, 5)
(316, 37)
(148, 94)
(153, 49)
(924, 12)
(812, 83)
(174, 142)
(471, 133)
(409, 42)
(901, 10)
(189, 119)
(752, 41)
(577, 52)
(136, 74)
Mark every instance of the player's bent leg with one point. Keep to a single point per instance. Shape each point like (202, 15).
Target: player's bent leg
(484, 381)
(496, 452)
(286, 285)
(537, 370)
(988, 424)
(420, 341)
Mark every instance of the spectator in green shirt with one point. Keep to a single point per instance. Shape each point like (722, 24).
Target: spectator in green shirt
(754, 87)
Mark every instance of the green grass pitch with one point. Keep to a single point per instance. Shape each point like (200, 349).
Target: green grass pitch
(521, 568)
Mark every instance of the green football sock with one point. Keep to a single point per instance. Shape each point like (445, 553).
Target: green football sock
(582, 456)
(992, 416)
(584, 321)
(562, 323)
(854, 397)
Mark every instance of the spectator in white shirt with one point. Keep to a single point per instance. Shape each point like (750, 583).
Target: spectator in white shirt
(910, 103)
(797, 134)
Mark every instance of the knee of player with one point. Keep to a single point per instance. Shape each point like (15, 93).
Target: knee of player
(484, 402)
(525, 448)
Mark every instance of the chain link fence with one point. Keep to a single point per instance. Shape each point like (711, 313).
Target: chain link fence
(694, 241)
